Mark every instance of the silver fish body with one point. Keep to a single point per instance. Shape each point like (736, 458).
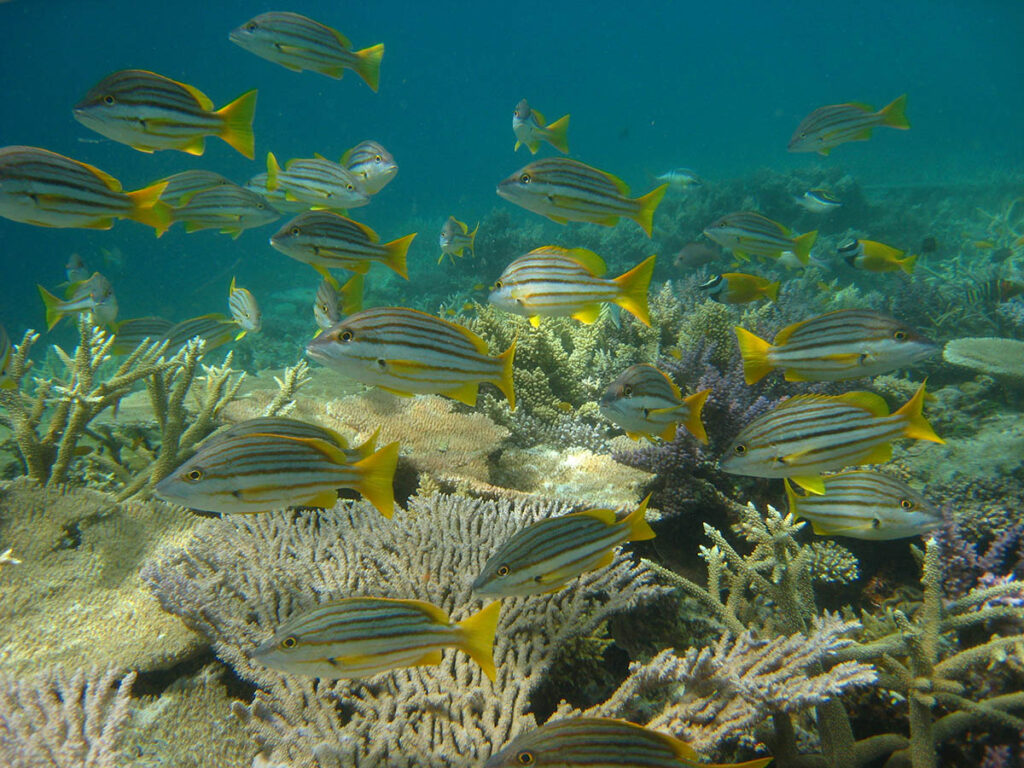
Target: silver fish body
(372, 164)
(643, 401)
(182, 186)
(680, 178)
(75, 269)
(317, 181)
(747, 233)
(455, 238)
(529, 129)
(828, 127)
(94, 295)
(134, 331)
(244, 310)
(276, 197)
(215, 329)
(229, 208)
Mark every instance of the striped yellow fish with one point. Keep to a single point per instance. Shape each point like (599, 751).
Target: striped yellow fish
(646, 403)
(260, 472)
(6, 352)
(409, 352)
(49, 190)
(865, 505)
(215, 329)
(845, 344)
(740, 288)
(373, 165)
(299, 43)
(182, 186)
(128, 334)
(828, 127)
(332, 302)
(602, 742)
(747, 233)
(548, 554)
(229, 208)
(876, 257)
(455, 238)
(294, 428)
(327, 240)
(528, 126)
(557, 282)
(358, 637)
(316, 181)
(276, 197)
(810, 434)
(567, 190)
(245, 311)
(150, 112)
(95, 295)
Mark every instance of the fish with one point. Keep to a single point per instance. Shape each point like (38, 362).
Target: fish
(300, 43)
(602, 742)
(317, 181)
(231, 209)
(408, 352)
(695, 255)
(828, 127)
(876, 257)
(294, 428)
(129, 334)
(818, 201)
(75, 269)
(546, 555)
(747, 233)
(680, 178)
(150, 112)
(455, 238)
(863, 504)
(276, 197)
(563, 190)
(373, 165)
(49, 190)
(646, 403)
(740, 288)
(991, 292)
(358, 637)
(261, 472)
(244, 310)
(214, 329)
(810, 434)
(6, 358)
(835, 346)
(182, 186)
(551, 281)
(528, 126)
(332, 302)
(95, 295)
(327, 240)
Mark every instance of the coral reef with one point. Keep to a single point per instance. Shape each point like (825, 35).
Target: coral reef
(999, 357)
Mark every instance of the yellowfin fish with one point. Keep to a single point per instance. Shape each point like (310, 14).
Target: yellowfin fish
(285, 427)
(373, 165)
(557, 282)
(747, 233)
(646, 403)
(740, 288)
(230, 208)
(299, 43)
(332, 302)
(182, 186)
(984, 245)
(828, 127)
(150, 112)
(6, 353)
(876, 257)
(95, 295)
(818, 201)
(317, 181)
(456, 237)
(129, 334)
(845, 344)
(244, 310)
(564, 190)
(548, 554)
(528, 126)
(358, 637)
(409, 352)
(277, 197)
(215, 329)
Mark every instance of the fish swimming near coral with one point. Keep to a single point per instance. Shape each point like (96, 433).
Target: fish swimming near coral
(94, 295)
(6, 353)
(548, 554)
(828, 127)
(316, 181)
(408, 352)
(876, 257)
(332, 302)
(294, 428)
(215, 329)
(528, 126)
(130, 333)
(229, 208)
(646, 403)
(245, 311)
(456, 238)
(740, 288)
(565, 190)
(747, 233)
(552, 281)
(150, 112)
(818, 201)
(182, 186)
(358, 637)
(373, 165)
(845, 344)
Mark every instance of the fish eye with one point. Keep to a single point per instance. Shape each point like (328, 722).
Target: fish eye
(627, 391)
(378, 159)
(503, 570)
(497, 283)
(525, 178)
(295, 230)
(108, 99)
(251, 26)
(345, 336)
(289, 642)
(194, 476)
(349, 186)
(900, 335)
(525, 758)
(906, 504)
(740, 449)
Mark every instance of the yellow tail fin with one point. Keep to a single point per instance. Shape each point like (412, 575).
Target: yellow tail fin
(377, 476)
(633, 288)
(504, 382)
(693, 421)
(772, 290)
(895, 114)
(147, 208)
(51, 302)
(237, 117)
(754, 350)
(803, 244)
(478, 633)
(472, 240)
(907, 264)
(558, 134)
(367, 64)
(648, 203)
(639, 528)
(917, 427)
(397, 252)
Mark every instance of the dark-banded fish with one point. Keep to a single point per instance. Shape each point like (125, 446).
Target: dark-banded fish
(865, 505)
(818, 201)
(276, 197)
(455, 238)
(557, 282)
(182, 186)
(740, 288)
(646, 403)
(333, 302)
(130, 333)
(845, 344)
(983, 293)
(215, 329)
(299, 43)
(828, 127)
(409, 352)
(747, 233)
(876, 257)
(150, 112)
(75, 269)
(294, 428)
(373, 165)
(602, 742)
(231, 209)
(49, 190)
(528, 126)
(6, 352)
(245, 311)
(567, 190)
(316, 181)
(680, 178)
(95, 295)
(327, 240)
(548, 554)
(358, 637)
(262, 472)
(810, 434)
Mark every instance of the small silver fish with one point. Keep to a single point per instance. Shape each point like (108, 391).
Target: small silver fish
(76, 269)
(646, 403)
(528, 126)
(244, 310)
(680, 178)
(229, 208)
(456, 237)
(818, 201)
(333, 302)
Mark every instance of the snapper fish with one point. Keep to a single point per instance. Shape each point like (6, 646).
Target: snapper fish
(129, 334)
(548, 554)
(301, 430)
(818, 201)
(876, 257)
(182, 186)
(747, 233)
(215, 329)
(150, 112)
(358, 637)
(95, 295)
(276, 197)
(317, 181)
(646, 403)
(552, 281)
(455, 238)
(244, 310)
(528, 126)
(373, 165)
(740, 288)
(332, 302)
(6, 355)
(828, 127)
(229, 208)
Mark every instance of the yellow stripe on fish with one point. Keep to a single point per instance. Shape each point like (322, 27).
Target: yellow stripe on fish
(876, 257)
(316, 181)
(244, 310)
(828, 127)
(215, 329)
(748, 233)
(95, 295)
(646, 403)
(182, 186)
(229, 208)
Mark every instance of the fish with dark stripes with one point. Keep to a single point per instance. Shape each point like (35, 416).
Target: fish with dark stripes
(150, 112)
(332, 301)
(748, 233)
(456, 238)
(231, 209)
(828, 127)
(276, 197)
(548, 554)
(215, 329)
(317, 182)
(373, 165)
(810, 434)
(845, 344)
(245, 310)
(646, 403)
(528, 126)
(294, 428)
(358, 637)
(563, 190)
(182, 186)
(130, 333)
(408, 352)
(94, 295)
(552, 281)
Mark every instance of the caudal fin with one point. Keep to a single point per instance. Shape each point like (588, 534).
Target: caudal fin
(803, 244)
(639, 528)
(478, 633)
(907, 264)
(52, 304)
(472, 240)
(504, 381)
(917, 427)
(237, 129)
(558, 134)
(367, 64)
(377, 477)
(693, 421)
(647, 205)
(397, 251)
(894, 115)
(754, 350)
(149, 210)
(633, 288)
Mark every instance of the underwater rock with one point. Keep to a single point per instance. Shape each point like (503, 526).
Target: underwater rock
(995, 356)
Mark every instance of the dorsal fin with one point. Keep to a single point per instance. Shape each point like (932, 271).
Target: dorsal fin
(202, 98)
(783, 336)
(372, 236)
(869, 401)
(606, 516)
(341, 38)
(112, 184)
(588, 260)
(620, 185)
